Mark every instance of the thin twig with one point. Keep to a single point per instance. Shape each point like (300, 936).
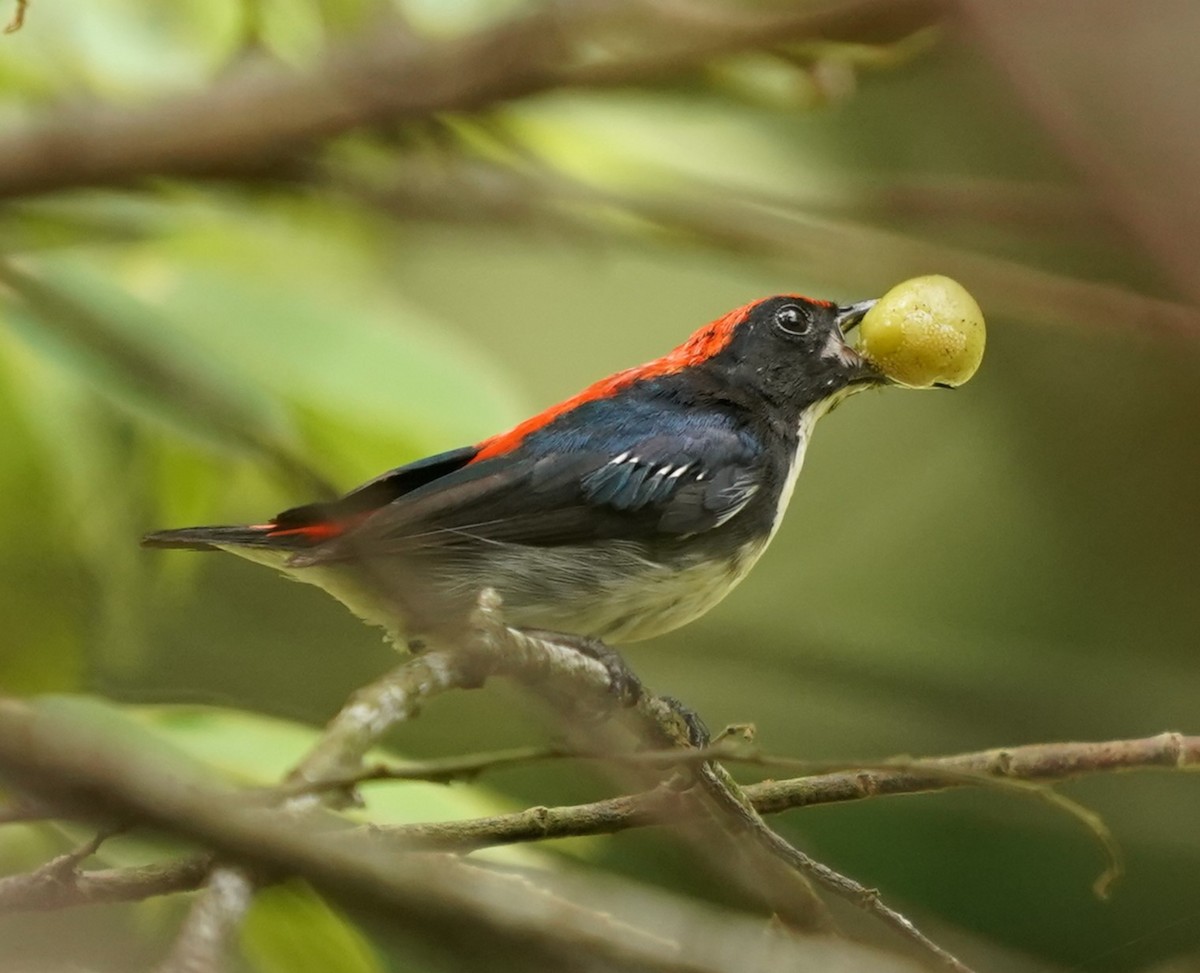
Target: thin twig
(735, 809)
(211, 924)
(31, 893)
(786, 890)
(442, 771)
(18, 17)
(841, 885)
(54, 881)
(1035, 762)
(1032, 762)
(1003, 765)
(663, 805)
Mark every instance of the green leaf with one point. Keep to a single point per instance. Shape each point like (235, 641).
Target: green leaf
(83, 219)
(75, 317)
(42, 631)
(315, 318)
(289, 29)
(291, 929)
(122, 48)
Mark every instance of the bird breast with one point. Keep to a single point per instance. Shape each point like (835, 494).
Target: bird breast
(611, 590)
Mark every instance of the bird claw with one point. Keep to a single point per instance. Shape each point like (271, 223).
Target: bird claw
(622, 680)
(697, 732)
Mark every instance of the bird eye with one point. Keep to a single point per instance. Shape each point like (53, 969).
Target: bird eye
(793, 319)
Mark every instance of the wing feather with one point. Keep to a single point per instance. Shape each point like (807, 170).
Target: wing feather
(683, 475)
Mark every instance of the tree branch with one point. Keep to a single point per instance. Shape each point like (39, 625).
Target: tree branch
(760, 852)
(435, 899)
(18, 17)
(20, 811)
(40, 891)
(487, 647)
(211, 924)
(660, 806)
(663, 722)
(669, 805)
(768, 227)
(1035, 762)
(494, 648)
(262, 117)
(823, 783)
(368, 714)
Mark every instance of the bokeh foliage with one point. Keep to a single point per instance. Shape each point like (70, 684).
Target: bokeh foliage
(1013, 562)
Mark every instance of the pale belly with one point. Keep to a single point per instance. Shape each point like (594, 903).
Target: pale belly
(626, 600)
(610, 593)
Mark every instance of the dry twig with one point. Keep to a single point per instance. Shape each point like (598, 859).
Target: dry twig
(18, 17)
(29, 893)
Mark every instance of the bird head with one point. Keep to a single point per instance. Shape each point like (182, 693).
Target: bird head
(787, 351)
(791, 350)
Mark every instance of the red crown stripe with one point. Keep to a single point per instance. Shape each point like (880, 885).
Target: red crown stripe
(700, 347)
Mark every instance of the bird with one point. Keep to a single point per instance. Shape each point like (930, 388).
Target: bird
(616, 515)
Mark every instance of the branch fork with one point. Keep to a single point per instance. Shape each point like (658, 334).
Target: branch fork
(697, 796)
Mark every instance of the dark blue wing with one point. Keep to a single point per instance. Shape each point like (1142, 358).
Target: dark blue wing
(617, 470)
(379, 492)
(649, 465)
(692, 485)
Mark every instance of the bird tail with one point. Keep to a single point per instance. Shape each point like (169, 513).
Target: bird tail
(215, 538)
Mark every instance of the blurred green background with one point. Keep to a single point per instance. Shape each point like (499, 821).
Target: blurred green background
(1013, 562)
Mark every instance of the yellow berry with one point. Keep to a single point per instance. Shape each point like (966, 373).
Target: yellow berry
(925, 331)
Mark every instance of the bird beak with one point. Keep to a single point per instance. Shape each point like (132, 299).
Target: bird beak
(863, 372)
(849, 317)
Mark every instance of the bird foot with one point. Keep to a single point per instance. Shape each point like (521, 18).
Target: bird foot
(623, 682)
(697, 732)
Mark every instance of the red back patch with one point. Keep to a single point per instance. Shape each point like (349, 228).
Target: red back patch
(701, 346)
